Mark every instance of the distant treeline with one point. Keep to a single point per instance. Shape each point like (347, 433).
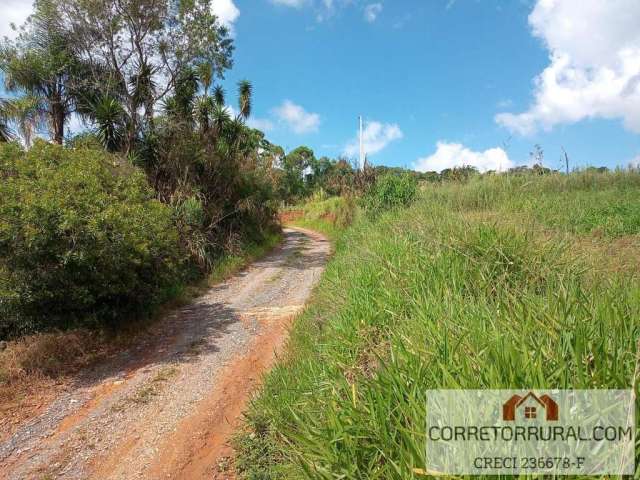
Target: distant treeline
(299, 174)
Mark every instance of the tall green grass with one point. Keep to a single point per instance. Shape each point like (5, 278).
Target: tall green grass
(435, 296)
(583, 202)
(329, 216)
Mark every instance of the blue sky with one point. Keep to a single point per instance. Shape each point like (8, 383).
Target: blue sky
(439, 70)
(432, 76)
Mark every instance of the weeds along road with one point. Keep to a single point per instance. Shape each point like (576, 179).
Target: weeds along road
(167, 408)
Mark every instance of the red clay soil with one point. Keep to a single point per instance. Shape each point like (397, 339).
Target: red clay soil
(290, 216)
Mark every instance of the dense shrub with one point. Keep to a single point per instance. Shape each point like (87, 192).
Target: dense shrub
(82, 241)
(391, 191)
(222, 195)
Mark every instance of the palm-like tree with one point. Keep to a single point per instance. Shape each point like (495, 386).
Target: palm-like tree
(205, 75)
(144, 89)
(6, 135)
(41, 65)
(219, 118)
(245, 89)
(204, 108)
(185, 94)
(111, 122)
(28, 114)
(218, 95)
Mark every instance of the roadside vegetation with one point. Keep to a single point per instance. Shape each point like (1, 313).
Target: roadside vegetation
(164, 190)
(165, 185)
(332, 215)
(329, 216)
(494, 281)
(439, 280)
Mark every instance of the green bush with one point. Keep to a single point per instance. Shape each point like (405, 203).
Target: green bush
(82, 240)
(391, 191)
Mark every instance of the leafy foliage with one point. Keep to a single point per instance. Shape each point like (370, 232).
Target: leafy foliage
(209, 165)
(5, 132)
(42, 65)
(391, 191)
(27, 116)
(110, 120)
(82, 241)
(95, 238)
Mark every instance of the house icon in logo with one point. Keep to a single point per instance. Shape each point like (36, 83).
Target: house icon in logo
(530, 407)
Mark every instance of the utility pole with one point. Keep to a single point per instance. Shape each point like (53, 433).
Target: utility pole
(566, 159)
(362, 159)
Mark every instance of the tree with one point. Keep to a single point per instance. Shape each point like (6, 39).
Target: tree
(218, 95)
(245, 90)
(340, 178)
(295, 165)
(140, 50)
(111, 123)
(27, 114)
(41, 64)
(6, 135)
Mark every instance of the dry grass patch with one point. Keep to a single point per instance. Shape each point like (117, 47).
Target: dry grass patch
(288, 216)
(603, 254)
(35, 368)
(51, 354)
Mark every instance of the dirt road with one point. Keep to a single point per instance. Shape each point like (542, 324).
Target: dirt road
(167, 409)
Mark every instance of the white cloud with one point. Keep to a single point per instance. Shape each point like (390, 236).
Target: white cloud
(323, 9)
(263, 124)
(450, 155)
(16, 12)
(326, 10)
(375, 137)
(505, 103)
(635, 162)
(372, 11)
(290, 3)
(595, 65)
(226, 11)
(297, 118)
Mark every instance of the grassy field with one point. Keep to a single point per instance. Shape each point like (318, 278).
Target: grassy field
(502, 282)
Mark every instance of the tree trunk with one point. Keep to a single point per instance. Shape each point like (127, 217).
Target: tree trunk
(133, 126)
(57, 122)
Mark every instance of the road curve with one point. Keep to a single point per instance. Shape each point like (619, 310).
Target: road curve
(167, 408)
